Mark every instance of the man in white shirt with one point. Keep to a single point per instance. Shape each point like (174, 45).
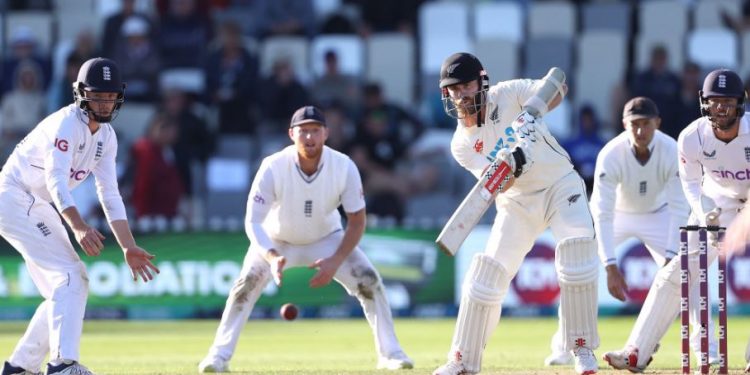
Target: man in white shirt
(54, 158)
(545, 191)
(713, 152)
(292, 221)
(737, 240)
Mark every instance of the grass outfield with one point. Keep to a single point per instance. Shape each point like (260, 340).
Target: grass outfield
(518, 346)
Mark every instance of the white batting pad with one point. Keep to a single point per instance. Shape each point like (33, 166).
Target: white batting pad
(484, 288)
(577, 266)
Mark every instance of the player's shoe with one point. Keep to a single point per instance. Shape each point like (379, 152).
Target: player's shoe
(213, 365)
(451, 368)
(398, 361)
(559, 359)
(626, 359)
(72, 368)
(9, 369)
(585, 361)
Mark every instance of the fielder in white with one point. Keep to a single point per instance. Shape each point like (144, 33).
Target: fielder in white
(713, 154)
(292, 221)
(54, 158)
(546, 192)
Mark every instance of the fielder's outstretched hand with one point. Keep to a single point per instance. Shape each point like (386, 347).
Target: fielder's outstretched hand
(90, 239)
(616, 283)
(139, 261)
(277, 268)
(327, 268)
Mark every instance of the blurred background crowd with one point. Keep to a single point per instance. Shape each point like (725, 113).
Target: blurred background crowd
(212, 84)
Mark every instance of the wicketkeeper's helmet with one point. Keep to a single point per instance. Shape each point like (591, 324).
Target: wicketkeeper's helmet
(98, 75)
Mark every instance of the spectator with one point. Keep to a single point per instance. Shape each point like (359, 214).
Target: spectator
(139, 60)
(282, 94)
(24, 106)
(340, 128)
(584, 147)
(112, 36)
(231, 77)
(285, 17)
(84, 47)
(23, 46)
(157, 184)
(401, 124)
(60, 92)
(195, 142)
(336, 86)
(663, 87)
(388, 16)
(691, 84)
(185, 32)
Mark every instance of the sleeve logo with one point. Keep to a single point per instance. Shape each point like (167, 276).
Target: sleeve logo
(61, 144)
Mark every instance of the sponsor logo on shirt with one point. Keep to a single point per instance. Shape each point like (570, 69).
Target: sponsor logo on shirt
(61, 144)
(81, 147)
(740, 175)
(495, 114)
(710, 155)
(78, 175)
(573, 198)
(259, 199)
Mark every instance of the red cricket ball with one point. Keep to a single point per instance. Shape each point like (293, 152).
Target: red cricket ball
(288, 311)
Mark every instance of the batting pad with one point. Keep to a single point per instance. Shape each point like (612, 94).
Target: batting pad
(484, 288)
(577, 266)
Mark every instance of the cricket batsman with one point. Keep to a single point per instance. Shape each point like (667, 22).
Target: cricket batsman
(545, 191)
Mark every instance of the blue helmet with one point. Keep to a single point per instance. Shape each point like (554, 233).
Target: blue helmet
(722, 83)
(98, 75)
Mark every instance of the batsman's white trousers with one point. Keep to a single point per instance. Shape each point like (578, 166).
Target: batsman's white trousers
(356, 274)
(521, 218)
(650, 228)
(34, 228)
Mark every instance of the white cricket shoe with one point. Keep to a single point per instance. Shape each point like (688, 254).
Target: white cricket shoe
(625, 359)
(73, 368)
(585, 361)
(559, 359)
(213, 365)
(398, 361)
(451, 368)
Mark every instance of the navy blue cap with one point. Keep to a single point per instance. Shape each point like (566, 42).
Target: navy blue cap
(307, 114)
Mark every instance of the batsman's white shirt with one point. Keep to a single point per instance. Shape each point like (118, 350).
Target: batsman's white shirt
(298, 209)
(475, 147)
(711, 167)
(59, 154)
(638, 200)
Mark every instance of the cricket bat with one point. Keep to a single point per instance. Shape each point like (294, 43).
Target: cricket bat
(481, 196)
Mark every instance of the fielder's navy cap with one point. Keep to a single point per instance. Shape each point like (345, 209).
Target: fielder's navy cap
(638, 108)
(307, 114)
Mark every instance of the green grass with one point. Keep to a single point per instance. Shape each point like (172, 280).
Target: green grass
(518, 346)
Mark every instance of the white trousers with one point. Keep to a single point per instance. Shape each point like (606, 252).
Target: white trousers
(356, 274)
(34, 228)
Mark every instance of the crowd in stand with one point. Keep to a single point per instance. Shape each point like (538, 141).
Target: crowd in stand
(237, 99)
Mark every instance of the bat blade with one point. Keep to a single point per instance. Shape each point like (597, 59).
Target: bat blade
(468, 214)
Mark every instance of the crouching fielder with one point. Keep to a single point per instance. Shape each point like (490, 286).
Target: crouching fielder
(713, 156)
(53, 159)
(292, 221)
(547, 192)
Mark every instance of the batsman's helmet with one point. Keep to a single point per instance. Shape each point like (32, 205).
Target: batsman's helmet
(463, 67)
(98, 75)
(722, 83)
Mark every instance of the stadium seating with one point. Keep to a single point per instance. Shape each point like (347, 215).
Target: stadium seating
(390, 62)
(552, 18)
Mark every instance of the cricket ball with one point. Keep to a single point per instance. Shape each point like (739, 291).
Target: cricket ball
(288, 311)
